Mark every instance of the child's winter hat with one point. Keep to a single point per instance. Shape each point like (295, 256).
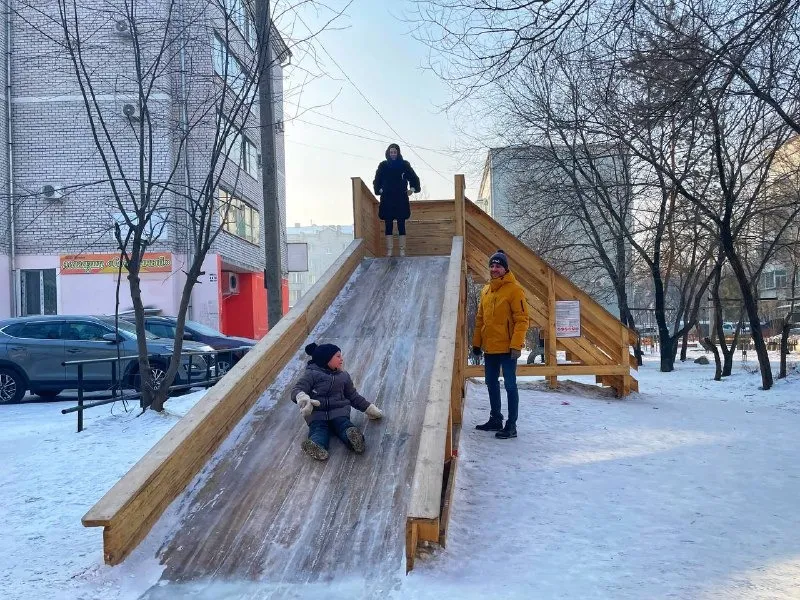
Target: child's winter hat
(321, 355)
(499, 258)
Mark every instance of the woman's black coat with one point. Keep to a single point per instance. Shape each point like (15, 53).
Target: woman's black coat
(392, 180)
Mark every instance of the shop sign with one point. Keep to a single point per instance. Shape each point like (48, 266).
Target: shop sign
(94, 264)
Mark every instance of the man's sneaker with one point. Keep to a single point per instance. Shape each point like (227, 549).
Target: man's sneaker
(314, 450)
(356, 440)
(509, 431)
(491, 425)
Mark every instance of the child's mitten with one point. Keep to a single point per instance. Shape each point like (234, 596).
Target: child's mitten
(306, 404)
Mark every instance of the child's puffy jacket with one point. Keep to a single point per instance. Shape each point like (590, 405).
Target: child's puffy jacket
(334, 390)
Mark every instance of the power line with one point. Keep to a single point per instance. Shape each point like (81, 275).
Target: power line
(290, 141)
(383, 135)
(372, 106)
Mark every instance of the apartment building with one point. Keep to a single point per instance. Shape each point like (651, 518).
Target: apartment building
(58, 249)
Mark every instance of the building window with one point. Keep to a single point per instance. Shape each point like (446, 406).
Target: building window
(295, 277)
(294, 296)
(237, 75)
(781, 279)
(240, 149)
(252, 160)
(238, 217)
(775, 279)
(38, 292)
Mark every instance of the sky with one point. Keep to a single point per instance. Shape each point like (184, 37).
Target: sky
(373, 47)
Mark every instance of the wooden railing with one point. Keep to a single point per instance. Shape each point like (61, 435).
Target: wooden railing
(604, 346)
(130, 509)
(434, 472)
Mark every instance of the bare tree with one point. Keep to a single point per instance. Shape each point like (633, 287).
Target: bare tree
(189, 82)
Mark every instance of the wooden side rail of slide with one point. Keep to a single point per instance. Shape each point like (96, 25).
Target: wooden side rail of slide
(130, 509)
(424, 520)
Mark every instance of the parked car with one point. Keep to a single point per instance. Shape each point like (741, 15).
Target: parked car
(197, 332)
(32, 350)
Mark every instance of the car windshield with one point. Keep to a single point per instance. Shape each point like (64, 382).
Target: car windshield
(128, 329)
(203, 329)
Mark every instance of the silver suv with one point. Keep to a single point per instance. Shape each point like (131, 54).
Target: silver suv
(32, 350)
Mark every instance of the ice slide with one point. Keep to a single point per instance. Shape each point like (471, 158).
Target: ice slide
(261, 510)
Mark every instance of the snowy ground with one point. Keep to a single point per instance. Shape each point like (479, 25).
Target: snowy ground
(50, 476)
(688, 490)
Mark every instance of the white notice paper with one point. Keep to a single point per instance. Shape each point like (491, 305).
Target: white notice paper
(568, 318)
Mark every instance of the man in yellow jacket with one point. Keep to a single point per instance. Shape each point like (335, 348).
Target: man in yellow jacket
(500, 328)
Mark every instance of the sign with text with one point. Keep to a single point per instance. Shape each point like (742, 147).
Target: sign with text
(568, 318)
(95, 264)
(297, 257)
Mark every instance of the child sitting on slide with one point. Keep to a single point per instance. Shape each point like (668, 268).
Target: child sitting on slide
(325, 393)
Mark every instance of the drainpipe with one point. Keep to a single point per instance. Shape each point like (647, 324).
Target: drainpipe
(10, 156)
(185, 130)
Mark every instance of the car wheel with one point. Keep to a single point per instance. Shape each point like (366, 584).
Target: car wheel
(46, 394)
(157, 374)
(223, 366)
(12, 386)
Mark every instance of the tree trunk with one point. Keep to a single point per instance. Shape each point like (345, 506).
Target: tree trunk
(627, 317)
(161, 395)
(787, 322)
(717, 361)
(684, 344)
(751, 306)
(145, 377)
(668, 344)
(666, 347)
(784, 347)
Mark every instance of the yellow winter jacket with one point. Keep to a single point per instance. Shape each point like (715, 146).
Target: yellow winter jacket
(502, 319)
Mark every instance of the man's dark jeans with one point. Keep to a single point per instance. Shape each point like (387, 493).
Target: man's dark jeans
(492, 365)
(319, 432)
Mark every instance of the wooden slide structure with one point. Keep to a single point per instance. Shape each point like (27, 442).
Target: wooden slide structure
(256, 508)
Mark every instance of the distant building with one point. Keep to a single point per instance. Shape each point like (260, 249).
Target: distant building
(325, 244)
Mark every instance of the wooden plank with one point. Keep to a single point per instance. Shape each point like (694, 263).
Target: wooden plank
(558, 370)
(412, 540)
(365, 207)
(428, 530)
(429, 238)
(135, 503)
(448, 444)
(432, 210)
(358, 220)
(457, 394)
(551, 359)
(460, 223)
(449, 492)
(426, 486)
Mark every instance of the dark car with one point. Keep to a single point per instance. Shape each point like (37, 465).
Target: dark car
(33, 350)
(197, 332)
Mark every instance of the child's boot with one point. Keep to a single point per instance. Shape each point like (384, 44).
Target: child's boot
(356, 440)
(314, 450)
